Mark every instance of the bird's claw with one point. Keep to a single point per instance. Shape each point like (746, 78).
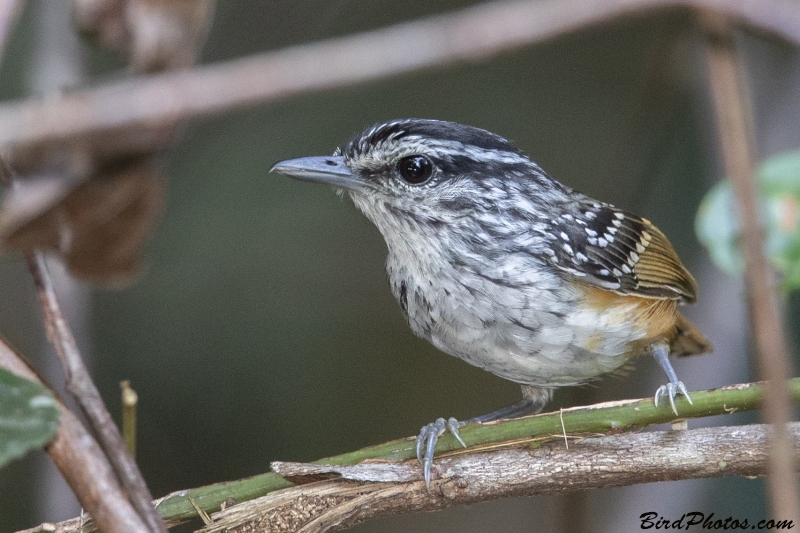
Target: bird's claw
(671, 390)
(427, 438)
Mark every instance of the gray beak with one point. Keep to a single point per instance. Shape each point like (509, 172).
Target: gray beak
(320, 169)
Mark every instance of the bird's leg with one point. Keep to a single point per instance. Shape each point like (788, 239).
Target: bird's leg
(533, 401)
(661, 354)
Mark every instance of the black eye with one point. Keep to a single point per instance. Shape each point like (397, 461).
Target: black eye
(415, 169)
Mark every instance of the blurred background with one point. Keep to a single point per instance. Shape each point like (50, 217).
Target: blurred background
(262, 327)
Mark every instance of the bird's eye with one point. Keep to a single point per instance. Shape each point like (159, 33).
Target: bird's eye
(415, 169)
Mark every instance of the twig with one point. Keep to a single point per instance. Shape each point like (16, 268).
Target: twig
(733, 116)
(82, 463)
(473, 33)
(79, 383)
(599, 462)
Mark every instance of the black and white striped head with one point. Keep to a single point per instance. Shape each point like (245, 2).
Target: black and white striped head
(424, 169)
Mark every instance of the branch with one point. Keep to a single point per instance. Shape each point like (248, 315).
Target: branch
(533, 431)
(477, 32)
(606, 417)
(589, 463)
(80, 385)
(733, 115)
(82, 463)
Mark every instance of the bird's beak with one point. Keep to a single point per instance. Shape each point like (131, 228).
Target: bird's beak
(320, 169)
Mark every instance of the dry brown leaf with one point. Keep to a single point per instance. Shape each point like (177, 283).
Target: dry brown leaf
(99, 227)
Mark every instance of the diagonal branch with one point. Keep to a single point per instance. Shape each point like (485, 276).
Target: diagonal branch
(82, 462)
(80, 385)
(473, 33)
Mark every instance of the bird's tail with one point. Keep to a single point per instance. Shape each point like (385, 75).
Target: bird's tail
(688, 340)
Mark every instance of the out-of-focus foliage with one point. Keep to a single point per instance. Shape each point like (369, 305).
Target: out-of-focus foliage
(718, 228)
(28, 416)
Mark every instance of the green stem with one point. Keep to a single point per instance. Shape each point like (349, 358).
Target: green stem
(612, 418)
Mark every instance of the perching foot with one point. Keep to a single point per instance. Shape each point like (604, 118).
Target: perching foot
(671, 390)
(427, 438)
(675, 386)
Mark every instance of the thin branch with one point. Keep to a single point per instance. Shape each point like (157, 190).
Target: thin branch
(473, 33)
(589, 463)
(82, 463)
(734, 126)
(79, 383)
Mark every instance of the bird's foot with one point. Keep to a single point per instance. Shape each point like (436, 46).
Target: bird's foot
(670, 390)
(427, 438)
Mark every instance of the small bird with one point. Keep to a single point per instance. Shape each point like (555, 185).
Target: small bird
(493, 261)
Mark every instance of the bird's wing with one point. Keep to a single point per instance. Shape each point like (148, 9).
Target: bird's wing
(619, 251)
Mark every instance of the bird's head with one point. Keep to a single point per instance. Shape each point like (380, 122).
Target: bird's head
(418, 171)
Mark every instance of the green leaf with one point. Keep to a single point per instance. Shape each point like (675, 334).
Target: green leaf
(717, 225)
(718, 230)
(28, 416)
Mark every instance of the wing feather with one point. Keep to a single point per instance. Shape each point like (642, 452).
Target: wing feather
(616, 250)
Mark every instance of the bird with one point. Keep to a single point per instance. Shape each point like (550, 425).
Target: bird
(493, 261)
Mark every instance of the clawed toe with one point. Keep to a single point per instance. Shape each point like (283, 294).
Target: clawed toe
(427, 438)
(670, 390)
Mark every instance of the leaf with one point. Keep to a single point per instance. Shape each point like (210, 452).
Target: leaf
(99, 226)
(717, 225)
(28, 416)
(718, 230)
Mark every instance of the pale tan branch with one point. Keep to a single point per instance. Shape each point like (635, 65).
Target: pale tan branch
(473, 33)
(79, 383)
(733, 113)
(589, 463)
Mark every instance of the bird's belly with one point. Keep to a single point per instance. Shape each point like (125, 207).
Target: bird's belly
(537, 346)
(540, 332)
(500, 352)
